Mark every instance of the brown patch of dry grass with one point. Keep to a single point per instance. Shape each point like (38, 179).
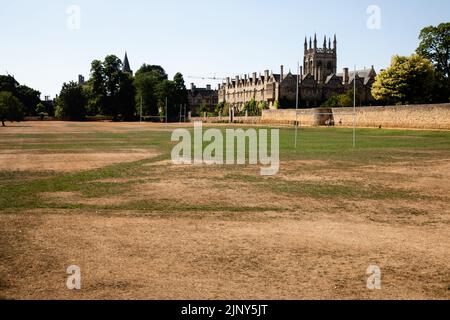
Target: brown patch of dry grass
(211, 258)
(69, 162)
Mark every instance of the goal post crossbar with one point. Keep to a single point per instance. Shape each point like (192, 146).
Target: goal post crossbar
(297, 123)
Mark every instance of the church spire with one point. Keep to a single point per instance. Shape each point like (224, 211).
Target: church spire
(126, 65)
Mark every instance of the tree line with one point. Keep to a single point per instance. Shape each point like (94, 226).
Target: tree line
(423, 77)
(110, 91)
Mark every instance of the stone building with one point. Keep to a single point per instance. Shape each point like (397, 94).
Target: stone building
(197, 97)
(81, 80)
(319, 80)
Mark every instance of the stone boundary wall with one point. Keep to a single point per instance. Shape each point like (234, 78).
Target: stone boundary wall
(431, 116)
(413, 117)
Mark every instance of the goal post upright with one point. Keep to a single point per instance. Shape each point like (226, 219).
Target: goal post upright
(354, 108)
(296, 105)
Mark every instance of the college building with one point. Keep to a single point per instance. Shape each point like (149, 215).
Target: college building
(317, 82)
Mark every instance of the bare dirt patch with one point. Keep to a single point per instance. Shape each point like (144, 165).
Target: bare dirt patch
(212, 258)
(51, 127)
(69, 162)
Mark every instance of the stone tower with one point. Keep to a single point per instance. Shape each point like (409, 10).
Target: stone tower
(126, 65)
(320, 62)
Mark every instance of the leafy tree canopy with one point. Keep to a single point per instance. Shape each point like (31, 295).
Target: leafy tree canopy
(344, 100)
(110, 90)
(26, 95)
(72, 101)
(435, 46)
(10, 107)
(157, 71)
(408, 80)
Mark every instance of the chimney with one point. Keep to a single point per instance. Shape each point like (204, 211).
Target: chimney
(254, 77)
(228, 80)
(266, 74)
(208, 87)
(346, 77)
(192, 86)
(282, 73)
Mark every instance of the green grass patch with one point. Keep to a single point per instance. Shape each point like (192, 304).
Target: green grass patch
(20, 190)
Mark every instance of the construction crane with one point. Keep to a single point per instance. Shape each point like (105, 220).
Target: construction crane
(207, 78)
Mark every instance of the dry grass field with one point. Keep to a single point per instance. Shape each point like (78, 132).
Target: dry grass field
(106, 197)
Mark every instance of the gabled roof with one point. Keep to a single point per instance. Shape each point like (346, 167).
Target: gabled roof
(307, 77)
(365, 75)
(277, 77)
(333, 77)
(357, 77)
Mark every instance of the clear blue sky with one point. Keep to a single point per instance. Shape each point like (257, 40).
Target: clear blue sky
(201, 37)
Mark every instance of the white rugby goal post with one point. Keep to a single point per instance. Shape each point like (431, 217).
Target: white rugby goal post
(298, 112)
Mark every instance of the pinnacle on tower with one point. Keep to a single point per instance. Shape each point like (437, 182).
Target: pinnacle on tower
(315, 41)
(334, 42)
(310, 43)
(126, 65)
(306, 44)
(325, 42)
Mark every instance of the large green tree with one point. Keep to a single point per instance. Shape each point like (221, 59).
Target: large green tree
(409, 80)
(29, 97)
(148, 80)
(126, 97)
(157, 71)
(166, 93)
(435, 46)
(8, 83)
(11, 108)
(112, 70)
(181, 93)
(96, 88)
(72, 101)
(111, 90)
